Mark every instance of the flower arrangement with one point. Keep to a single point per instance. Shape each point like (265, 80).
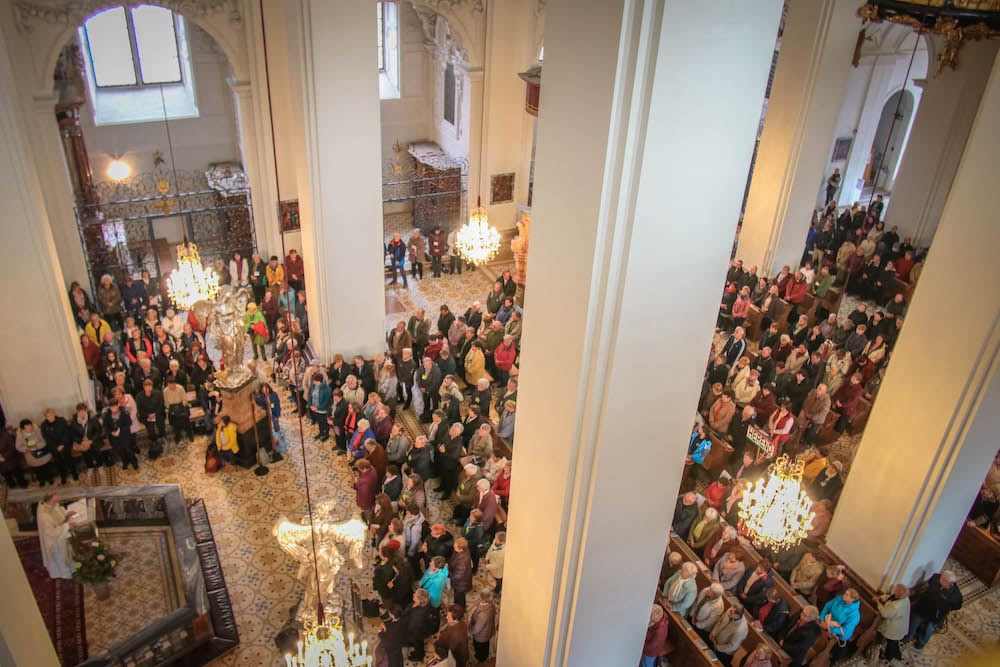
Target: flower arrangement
(95, 563)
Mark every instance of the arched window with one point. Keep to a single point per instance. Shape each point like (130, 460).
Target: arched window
(133, 48)
(449, 93)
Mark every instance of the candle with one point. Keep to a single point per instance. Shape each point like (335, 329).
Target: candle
(288, 661)
(350, 637)
(364, 649)
(301, 660)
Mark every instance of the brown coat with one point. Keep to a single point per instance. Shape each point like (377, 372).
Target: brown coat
(379, 461)
(455, 638)
(483, 622)
(720, 414)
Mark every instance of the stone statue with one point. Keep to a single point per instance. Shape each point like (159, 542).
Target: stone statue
(225, 329)
(342, 548)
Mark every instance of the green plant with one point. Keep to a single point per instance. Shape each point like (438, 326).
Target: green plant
(94, 563)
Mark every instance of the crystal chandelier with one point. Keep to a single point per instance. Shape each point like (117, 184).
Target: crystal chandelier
(191, 282)
(477, 241)
(775, 512)
(322, 645)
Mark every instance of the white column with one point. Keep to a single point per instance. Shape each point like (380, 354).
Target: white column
(341, 194)
(23, 637)
(809, 84)
(631, 148)
(936, 142)
(41, 363)
(258, 162)
(50, 159)
(932, 433)
(871, 113)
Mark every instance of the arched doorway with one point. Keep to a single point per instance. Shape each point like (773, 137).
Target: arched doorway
(890, 138)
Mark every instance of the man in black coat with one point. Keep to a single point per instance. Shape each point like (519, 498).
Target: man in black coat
(389, 649)
(416, 622)
(445, 320)
(753, 594)
(685, 512)
(363, 371)
(940, 598)
(428, 382)
(735, 346)
(439, 543)
(153, 415)
(446, 460)
(474, 316)
(800, 634)
(509, 286)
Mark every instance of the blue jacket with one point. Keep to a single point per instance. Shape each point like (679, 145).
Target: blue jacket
(357, 444)
(396, 252)
(273, 406)
(699, 449)
(504, 313)
(134, 295)
(688, 592)
(320, 397)
(848, 615)
(435, 582)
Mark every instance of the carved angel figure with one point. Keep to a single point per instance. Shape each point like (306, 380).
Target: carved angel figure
(341, 544)
(225, 327)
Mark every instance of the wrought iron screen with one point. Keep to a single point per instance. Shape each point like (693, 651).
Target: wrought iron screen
(436, 183)
(118, 223)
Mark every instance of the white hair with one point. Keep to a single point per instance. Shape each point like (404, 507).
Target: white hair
(471, 469)
(363, 424)
(711, 514)
(689, 568)
(717, 588)
(483, 383)
(483, 484)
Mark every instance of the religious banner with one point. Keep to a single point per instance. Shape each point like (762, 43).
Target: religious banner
(761, 439)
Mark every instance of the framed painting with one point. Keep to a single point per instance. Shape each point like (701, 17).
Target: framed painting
(288, 211)
(501, 188)
(841, 148)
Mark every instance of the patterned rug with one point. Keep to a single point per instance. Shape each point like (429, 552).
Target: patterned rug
(59, 600)
(143, 590)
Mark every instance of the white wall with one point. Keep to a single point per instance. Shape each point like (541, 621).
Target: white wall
(880, 72)
(407, 119)
(211, 137)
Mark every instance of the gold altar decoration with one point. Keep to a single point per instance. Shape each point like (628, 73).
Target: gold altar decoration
(958, 21)
(775, 512)
(477, 241)
(519, 246)
(191, 282)
(322, 645)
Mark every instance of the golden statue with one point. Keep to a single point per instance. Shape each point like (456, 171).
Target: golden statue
(225, 329)
(519, 246)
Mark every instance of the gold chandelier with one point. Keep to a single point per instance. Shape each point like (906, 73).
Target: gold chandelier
(477, 241)
(191, 282)
(322, 645)
(775, 512)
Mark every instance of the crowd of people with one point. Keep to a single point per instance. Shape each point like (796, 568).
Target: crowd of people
(356, 404)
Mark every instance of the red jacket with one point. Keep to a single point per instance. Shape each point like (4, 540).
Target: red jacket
(903, 268)
(849, 394)
(715, 493)
(501, 487)
(294, 268)
(741, 308)
(367, 486)
(656, 637)
(504, 357)
(796, 291)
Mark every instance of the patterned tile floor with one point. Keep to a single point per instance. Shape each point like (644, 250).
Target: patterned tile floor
(144, 588)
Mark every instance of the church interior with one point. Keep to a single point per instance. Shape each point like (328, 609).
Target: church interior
(272, 330)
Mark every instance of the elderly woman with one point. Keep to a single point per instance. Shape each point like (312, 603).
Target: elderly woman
(840, 616)
(704, 528)
(895, 611)
(109, 302)
(681, 589)
(505, 424)
(729, 570)
(761, 657)
(656, 636)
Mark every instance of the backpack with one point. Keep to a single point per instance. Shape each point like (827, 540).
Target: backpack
(212, 461)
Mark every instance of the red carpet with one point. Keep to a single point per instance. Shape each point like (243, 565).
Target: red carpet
(61, 604)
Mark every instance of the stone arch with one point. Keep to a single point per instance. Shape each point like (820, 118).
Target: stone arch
(224, 28)
(447, 9)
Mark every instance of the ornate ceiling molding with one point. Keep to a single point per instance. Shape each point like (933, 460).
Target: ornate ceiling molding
(70, 13)
(446, 5)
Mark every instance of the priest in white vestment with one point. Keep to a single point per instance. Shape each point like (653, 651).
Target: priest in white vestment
(53, 533)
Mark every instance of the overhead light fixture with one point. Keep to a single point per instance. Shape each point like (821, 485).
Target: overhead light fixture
(191, 282)
(775, 512)
(477, 241)
(118, 171)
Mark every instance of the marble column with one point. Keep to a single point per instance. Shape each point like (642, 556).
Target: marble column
(631, 148)
(258, 162)
(340, 179)
(936, 143)
(53, 174)
(23, 637)
(932, 433)
(41, 364)
(809, 83)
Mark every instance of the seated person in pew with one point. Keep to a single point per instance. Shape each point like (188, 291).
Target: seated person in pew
(717, 491)
(800, 634)
(671, 564)
(720, 544)
(806, 575)
(761, 657)
(707, 524)
(773, 615)
(681, 589)
(752, 589)
(727, 635)
(685, 513)
(840, 616)
(827, 484)
(656, 636)
(831, 584)
(699, 446)
(707, 609)
(708, 399)
(729, 570)
(731, 508)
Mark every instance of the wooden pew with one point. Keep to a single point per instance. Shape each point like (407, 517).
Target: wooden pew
(752, 324)
(867, 628)
(754, 637)
(719, 456)
(977, 550)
